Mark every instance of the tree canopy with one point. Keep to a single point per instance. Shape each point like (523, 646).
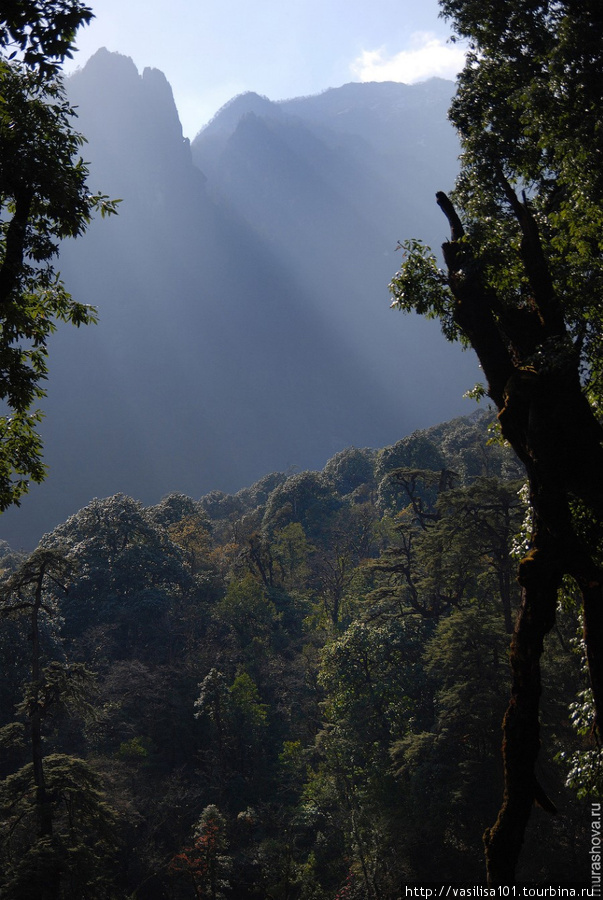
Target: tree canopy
(42, 32)
(219, 704)
(44, 198)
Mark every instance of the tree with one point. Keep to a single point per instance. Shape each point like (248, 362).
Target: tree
(205, 861)
(130, 575)
(44, 198)
(374, 688)
(42, 32)
(308, 498)
(351, 469)
(522, 287)
(24, 592)
(349, 540)
(449, 764)
(427, 565)
(488, 515)
(76, 860)
(56, 822)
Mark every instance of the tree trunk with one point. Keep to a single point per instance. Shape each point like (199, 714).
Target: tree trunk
(547, 420)
(43, 810)
(16, 235)
(521, 729)
(50, 886)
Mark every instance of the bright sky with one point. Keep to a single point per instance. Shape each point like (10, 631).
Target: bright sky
(212, 50)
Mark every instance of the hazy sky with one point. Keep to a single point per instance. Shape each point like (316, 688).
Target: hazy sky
(211, 50)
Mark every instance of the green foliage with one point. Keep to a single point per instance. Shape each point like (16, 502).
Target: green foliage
(417, 451)
(307, 498)
(42, 33)
(44, 198)
(583, 764)
(137, 749)
(130, 575)
(373, 679)
(420, 286)
(247, 608)
(292, 551)
(84, 837)
(291, 717)
(452, 763)
(62, 690)
(246, 700)
(351, 469)
(528, 110)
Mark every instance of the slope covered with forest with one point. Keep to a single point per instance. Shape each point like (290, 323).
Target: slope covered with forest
(292, 691)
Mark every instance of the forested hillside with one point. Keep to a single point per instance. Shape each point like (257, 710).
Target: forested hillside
(294, 691)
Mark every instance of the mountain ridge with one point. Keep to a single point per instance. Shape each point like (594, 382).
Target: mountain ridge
(244, 313)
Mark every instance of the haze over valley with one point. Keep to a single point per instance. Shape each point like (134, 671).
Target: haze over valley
(243, 290)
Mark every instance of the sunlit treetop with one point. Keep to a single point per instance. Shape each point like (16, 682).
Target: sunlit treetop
(41, 33)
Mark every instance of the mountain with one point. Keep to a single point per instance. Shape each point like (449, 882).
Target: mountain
(242, 290)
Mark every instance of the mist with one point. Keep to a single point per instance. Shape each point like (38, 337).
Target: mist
(242, 291)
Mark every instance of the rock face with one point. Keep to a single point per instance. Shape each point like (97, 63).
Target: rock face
(242, 291)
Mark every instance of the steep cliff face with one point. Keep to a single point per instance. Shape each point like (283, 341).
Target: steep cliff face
(130, 120)
(242, 292)
(331, 183)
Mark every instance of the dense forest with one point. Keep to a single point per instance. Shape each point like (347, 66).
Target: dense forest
(294, 691)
